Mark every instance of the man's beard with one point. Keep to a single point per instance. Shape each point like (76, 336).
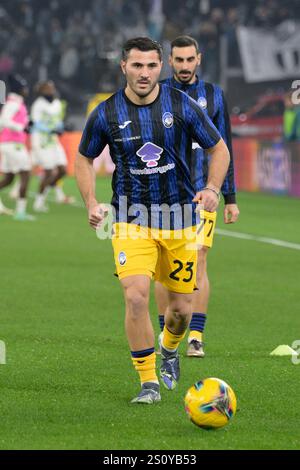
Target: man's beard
(146, 93)
(187, 79)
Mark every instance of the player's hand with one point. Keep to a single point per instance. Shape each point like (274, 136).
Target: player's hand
(97, 213)
(231, 213)
(208, 199)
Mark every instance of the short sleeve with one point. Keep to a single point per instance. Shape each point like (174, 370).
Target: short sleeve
(202, 129)
(94, 137)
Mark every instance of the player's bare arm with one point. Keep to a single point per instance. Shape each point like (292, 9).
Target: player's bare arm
(85, 176)
(220, 159)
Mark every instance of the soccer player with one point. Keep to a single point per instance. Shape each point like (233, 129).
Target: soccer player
(149, 129)
(47, 151)
(184, 60)
(14, 155)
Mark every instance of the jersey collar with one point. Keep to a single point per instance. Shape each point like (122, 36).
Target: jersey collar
(140, 105)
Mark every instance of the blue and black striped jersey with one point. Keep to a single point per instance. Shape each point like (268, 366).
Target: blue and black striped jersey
(211, 99)
(150, 145)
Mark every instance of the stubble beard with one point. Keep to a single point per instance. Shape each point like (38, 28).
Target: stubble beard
(145, 93)
(186, 81)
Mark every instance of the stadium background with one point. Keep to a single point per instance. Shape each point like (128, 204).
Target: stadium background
(77, 44)
(57, 391)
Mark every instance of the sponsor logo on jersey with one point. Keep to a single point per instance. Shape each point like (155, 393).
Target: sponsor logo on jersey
(125, 124)
(127, 139)
(150, 153)
(151, 171)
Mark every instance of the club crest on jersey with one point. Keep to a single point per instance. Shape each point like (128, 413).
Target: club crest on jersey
(150, 154)
(202, 102)
(122, 258)
(168, 119)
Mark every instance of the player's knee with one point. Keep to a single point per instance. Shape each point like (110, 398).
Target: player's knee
(136, 300)
(181, 308)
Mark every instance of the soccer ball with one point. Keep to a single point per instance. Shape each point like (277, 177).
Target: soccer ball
(210, 403)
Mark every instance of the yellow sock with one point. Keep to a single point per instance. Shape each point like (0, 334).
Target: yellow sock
(171, 341)
(145, 366)
(195, 335)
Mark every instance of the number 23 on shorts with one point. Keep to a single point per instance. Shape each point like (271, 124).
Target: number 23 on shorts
(183, 272)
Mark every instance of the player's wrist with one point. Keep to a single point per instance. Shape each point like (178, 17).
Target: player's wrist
(213, 189)
(90, 204)
(210, 184)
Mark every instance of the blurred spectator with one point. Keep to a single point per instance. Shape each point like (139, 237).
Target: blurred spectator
(233, 21)
(156, 20)
(69, 62)
(291, 119)
(6, 63)
(78, 42)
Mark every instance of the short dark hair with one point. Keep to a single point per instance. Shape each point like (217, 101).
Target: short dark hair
(142, 44)
(185, 41)
(41, 85)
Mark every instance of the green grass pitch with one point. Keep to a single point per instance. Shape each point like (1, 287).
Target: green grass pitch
(69, 379)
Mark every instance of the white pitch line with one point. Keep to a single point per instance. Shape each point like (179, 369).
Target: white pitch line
(247, 236)
(52, 199)
(219, 231)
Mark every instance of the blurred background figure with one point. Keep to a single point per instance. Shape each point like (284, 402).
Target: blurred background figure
(78, 44)
(47, 115)
(14, 155)
(251, 50)
(291, 119)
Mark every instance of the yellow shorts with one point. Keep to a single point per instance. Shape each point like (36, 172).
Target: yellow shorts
(206, 228)
(167, 256)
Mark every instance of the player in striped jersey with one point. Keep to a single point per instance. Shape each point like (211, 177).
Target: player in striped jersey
(149, 129)
(184, 60)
